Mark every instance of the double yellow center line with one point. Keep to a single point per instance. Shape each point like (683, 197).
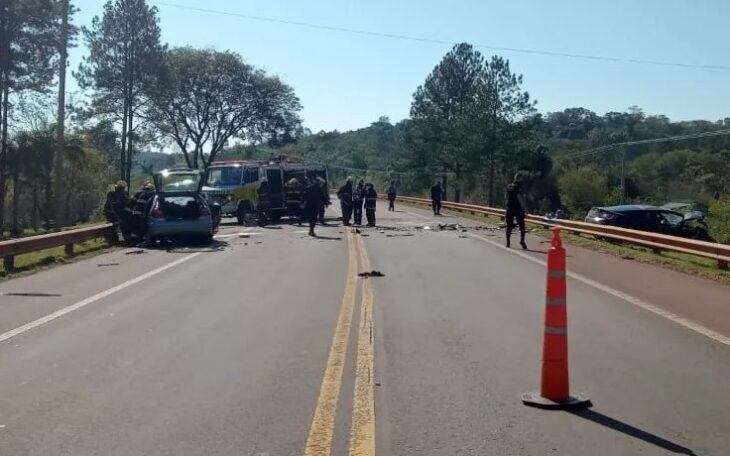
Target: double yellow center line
(362, 434)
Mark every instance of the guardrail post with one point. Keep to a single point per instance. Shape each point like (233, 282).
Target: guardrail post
(9, 263)
(69, 249)
(723, 265)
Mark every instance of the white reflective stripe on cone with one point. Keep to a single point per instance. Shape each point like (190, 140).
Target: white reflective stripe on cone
(555, 330)
(556, 273)
(555, 301)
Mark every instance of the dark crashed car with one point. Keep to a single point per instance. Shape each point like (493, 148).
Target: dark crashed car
(650, 218)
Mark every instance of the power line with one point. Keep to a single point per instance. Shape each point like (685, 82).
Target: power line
(437, 41)
(600, 149)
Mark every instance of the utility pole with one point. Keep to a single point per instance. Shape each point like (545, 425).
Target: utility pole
(60, 122)
(623, 175)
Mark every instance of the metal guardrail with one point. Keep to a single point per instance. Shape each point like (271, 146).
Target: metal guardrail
(11, 248)
(656, 241)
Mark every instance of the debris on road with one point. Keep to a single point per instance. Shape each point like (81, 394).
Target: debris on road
(399, 235)
(244, 235)
(371, 274)
(107, 264)
(135, 252)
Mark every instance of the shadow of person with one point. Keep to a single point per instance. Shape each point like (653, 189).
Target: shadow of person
(631, 431)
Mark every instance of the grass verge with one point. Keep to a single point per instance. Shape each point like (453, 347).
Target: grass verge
(689, 264)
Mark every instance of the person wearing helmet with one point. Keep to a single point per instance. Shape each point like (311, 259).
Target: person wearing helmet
(313, 203)
(345, 196)
(116, 200)
(358, 197)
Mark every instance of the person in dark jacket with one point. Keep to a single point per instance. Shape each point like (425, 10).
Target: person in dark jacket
(437, 194)
(325, 198)
(371, 201)
(358, 197)
(516, 203)
(345, 195)
(391, 197)
(116, 200)
(313, 203)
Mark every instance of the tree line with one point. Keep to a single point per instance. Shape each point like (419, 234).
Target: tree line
(473, 126)
(137, 94)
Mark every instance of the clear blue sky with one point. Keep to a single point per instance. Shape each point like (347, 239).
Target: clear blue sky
(347, 81)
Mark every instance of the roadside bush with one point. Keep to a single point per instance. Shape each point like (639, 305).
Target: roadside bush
(719, 220)
(582, 188)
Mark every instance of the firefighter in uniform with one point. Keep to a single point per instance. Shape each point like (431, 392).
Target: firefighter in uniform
(371, 200)
(516, 208)
(437, 194)
(116, 200)
(358, 197)
(345, 196)
(313, 203)
(391, 197)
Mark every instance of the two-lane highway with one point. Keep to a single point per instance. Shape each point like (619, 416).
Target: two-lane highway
(269, 344)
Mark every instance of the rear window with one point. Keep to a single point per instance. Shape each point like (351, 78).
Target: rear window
(179, 182)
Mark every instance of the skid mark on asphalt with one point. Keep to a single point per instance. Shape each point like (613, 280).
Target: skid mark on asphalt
(319, 441)
(696, 327)
(362, 434)
(66, 310)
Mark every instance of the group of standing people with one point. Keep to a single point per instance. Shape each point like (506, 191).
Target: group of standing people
(354, 198)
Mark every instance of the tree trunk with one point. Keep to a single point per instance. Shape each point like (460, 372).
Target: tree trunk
(128, 173)
(47, 203)
(16, 197)
(445, 183)
(457, 187)
(61, 121)
(3, 153)
(123, 152)
(34, 214)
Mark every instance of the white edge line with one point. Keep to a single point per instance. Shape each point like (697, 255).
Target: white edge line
(696, 327)
(61, 312)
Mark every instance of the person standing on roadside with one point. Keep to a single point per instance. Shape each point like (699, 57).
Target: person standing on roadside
(516, 203)
(313, 202)
(358, 197)
(116, 200)
(371, 201)
(345, 195)
(437, 194)
(391, 197)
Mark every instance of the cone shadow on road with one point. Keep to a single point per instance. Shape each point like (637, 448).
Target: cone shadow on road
(631, 431)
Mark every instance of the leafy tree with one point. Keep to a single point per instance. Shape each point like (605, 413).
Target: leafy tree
(121, 68)
(205, 98)
(28, 43)
(444, 111)
(582, 188)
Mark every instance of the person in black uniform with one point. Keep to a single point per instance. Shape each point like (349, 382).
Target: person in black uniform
(437, 195)
(313, 202)
(516, 208)
(358, 197)
(391, 197)
(371, 200)
(264, 203)
(345, 196)
(116, 200)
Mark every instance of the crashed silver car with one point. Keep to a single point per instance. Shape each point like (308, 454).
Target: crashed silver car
(179, 208)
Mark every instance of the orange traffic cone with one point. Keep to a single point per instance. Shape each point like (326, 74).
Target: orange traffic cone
(555, 389)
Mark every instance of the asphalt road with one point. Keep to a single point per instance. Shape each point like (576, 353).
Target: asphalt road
(268, 343)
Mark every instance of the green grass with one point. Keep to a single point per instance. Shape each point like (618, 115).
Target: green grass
(32, 262)
(688, 264)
